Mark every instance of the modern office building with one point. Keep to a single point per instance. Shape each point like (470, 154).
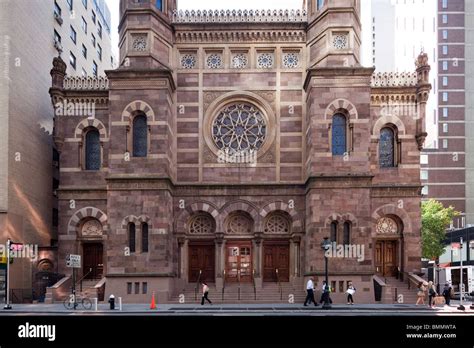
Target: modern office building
(228, 146)
(447, 172)
(394, 33)
(82, 33)
(31, 32)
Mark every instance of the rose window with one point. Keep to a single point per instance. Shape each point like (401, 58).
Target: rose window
(201, 224)
(277, 223)
(239, 61)
(139, 43)
(214, 61)
(239, 224)
(188, 61)
(340, 42)
(239, 128)
(290, 60)
(265, 60)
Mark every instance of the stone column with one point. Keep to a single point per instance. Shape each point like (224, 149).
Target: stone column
(219, 242)
(257, 259)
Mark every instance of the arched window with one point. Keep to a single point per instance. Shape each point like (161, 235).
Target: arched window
(145, 237)
(159, 5)
(339, 138)
(387, 148)
(140, 136)
(346, 239)
(131, 237)
(333, 237)
(92, 151)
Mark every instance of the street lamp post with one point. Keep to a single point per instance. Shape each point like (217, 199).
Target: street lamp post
(325, 245)
(461, 285)
(7, 287)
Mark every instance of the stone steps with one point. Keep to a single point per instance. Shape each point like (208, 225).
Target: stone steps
(270, 293)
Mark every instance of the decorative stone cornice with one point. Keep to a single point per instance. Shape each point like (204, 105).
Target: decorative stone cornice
(239, 16)
(383, 98)
(394, 79)
(240, 36)
(89, 83)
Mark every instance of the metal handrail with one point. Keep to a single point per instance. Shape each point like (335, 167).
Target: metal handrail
(238, 279)
(223, 286)
(279, 284)
(83, 277)
(254, 285)
(197, 285)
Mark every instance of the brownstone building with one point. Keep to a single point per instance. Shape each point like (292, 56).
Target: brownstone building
(228, 145)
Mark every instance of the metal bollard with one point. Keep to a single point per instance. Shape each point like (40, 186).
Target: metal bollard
(120, 303)
(95, 303)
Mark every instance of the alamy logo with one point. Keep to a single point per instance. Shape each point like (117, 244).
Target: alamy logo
(348, 251)
(37, 331)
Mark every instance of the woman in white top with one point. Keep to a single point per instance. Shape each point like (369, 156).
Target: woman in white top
(350, 291)
(205, 293)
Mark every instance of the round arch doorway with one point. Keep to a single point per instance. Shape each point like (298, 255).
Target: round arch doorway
(238, 262)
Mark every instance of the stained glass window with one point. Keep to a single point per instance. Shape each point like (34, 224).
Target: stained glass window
(347, 233)
(387, 148)
(338, 135)
(239, 128)
(333, 237)
(131, 237)
(159, 5)
(140, 136)
(92, 150)
(145, 237)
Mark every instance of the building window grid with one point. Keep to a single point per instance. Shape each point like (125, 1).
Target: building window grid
(73, 35)
(99, 52)
(72, 60)
(84, 25)
(57, 9)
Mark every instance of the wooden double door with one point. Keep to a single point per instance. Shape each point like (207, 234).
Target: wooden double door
(93, 254)
(202, 258)
(276, 256)
(386, 260)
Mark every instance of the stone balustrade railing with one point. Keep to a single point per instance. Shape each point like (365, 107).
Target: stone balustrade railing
(89, 83)
(239, 16)
(394, 79)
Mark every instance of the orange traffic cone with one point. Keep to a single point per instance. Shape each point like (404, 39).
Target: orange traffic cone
(153, 303)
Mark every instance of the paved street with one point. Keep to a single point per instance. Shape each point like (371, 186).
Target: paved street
(243, 310)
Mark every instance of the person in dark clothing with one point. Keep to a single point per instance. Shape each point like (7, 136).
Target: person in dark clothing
(310, 292)
(205, 293)
(447, 293)
(325, 293)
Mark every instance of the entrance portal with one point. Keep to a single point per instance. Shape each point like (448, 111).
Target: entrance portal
(386, 258)
(93, 256)
(239, 262)
(276, 256)
(201, 258)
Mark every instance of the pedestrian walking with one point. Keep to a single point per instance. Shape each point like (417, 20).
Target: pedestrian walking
(421, 289)
(350, 292)
(325, 293)
(205, 293)
(447, 293)
(431, 294)
(310, 293)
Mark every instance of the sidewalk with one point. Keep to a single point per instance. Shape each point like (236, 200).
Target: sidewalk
(196, 309)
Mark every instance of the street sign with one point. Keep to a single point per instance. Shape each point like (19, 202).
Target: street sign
(455, 245)
(73, 261)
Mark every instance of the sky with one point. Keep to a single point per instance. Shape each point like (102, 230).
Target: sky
(114, 6)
